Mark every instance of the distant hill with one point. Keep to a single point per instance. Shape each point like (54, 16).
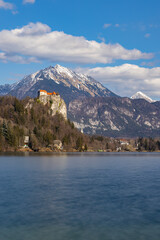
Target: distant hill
(68, 83)
(116, 117)
(5, 89)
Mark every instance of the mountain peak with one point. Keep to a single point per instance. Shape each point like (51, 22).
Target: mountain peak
(141, 95)
(63, 70)
(58, 66)
(67, 82)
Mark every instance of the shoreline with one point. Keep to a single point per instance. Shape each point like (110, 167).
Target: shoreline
(74, 153)
(47, 150)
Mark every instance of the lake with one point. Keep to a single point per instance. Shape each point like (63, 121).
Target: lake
(80, 197)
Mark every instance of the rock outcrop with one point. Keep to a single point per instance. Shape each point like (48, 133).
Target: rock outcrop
(57, 104)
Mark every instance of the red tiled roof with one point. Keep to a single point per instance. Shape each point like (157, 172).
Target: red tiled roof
(53, 93)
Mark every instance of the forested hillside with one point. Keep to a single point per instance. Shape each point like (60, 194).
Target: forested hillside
(18, 121)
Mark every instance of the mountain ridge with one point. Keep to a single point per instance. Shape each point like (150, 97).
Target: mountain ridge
(92, 107)
(68, 83)
(116, 117)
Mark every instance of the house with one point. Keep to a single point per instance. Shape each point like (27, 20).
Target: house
(26, 141)
(57, 144)
(124, 142)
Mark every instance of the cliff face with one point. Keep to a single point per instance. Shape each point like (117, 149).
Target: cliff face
(57, 104)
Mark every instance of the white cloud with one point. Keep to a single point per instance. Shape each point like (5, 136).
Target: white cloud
(6, 5)
(107, 25)
(16, 58)
(38, 41)
(28, 1)
(147, 35)
(32, 29)
(117, 25)
(127, 79)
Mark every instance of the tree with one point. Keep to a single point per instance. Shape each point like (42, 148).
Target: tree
(66, 139)
(33, 144)
(48, 138)
(4, 129)
(85, 147)
(18, 106)
(79, 143)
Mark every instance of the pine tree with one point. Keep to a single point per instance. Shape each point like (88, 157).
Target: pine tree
(4, 130)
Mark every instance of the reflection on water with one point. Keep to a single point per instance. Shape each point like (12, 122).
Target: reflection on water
(80, 196)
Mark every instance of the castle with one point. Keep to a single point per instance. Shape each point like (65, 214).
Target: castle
(57, 104)
(47, 97)
(45, 93)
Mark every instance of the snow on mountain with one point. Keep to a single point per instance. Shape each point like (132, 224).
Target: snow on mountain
(5, 89)
(140, 95)
(70, 78)
(67, 82)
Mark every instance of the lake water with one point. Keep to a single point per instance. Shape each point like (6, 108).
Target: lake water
(80, 197)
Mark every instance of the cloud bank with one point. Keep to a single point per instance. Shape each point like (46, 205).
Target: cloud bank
(37, 41)
(6, 5)
(127, 79)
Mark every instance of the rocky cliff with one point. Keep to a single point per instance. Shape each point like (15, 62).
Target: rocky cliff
(56, 103)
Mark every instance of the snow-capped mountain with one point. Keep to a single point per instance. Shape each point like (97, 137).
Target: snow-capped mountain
(140, 95)
(5, 89)
(60, 79)
(90, 105)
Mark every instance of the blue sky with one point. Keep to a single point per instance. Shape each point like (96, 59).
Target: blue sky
(115, 41)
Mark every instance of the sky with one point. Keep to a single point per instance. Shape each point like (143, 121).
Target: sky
(114, 41)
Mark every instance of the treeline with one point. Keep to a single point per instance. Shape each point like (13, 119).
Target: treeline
(20, 118)
(148, 144)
